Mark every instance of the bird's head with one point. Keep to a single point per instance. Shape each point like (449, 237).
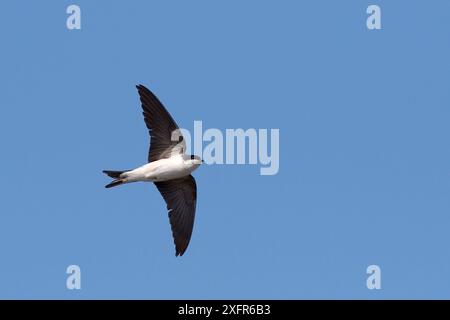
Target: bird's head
(194, 160)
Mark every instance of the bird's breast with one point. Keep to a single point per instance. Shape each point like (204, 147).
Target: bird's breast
(165, 169)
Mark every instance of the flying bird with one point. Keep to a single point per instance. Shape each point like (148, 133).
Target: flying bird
(168, 167)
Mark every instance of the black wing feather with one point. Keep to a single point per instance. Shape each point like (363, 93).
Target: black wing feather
(181, 199)
(160, 125)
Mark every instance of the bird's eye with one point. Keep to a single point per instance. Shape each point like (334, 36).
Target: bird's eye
(192, 157)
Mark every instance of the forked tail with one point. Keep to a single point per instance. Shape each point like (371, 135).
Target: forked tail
(116, 175)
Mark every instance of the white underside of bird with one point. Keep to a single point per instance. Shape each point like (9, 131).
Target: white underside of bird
(175, 167)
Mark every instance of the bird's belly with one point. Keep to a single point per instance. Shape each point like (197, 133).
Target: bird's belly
(169, 172)
(160, 170)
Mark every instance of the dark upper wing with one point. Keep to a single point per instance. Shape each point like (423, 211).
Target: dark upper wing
(161, 126)
(181, 198)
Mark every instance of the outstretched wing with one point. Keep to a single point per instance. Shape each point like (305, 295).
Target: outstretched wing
(166, 138)
(181, 199)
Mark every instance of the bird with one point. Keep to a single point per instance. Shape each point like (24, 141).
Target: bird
(168, 167)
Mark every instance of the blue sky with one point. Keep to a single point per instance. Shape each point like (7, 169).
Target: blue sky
(364, 148)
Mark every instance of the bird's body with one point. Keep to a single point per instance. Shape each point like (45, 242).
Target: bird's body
(168, 167)
(175, 167)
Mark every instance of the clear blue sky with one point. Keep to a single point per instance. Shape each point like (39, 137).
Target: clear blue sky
(364, 148)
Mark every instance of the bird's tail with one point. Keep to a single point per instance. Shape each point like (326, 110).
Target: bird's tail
(115, 183)
(116, 175)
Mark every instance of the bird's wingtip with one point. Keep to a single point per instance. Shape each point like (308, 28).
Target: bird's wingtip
(179, 253)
